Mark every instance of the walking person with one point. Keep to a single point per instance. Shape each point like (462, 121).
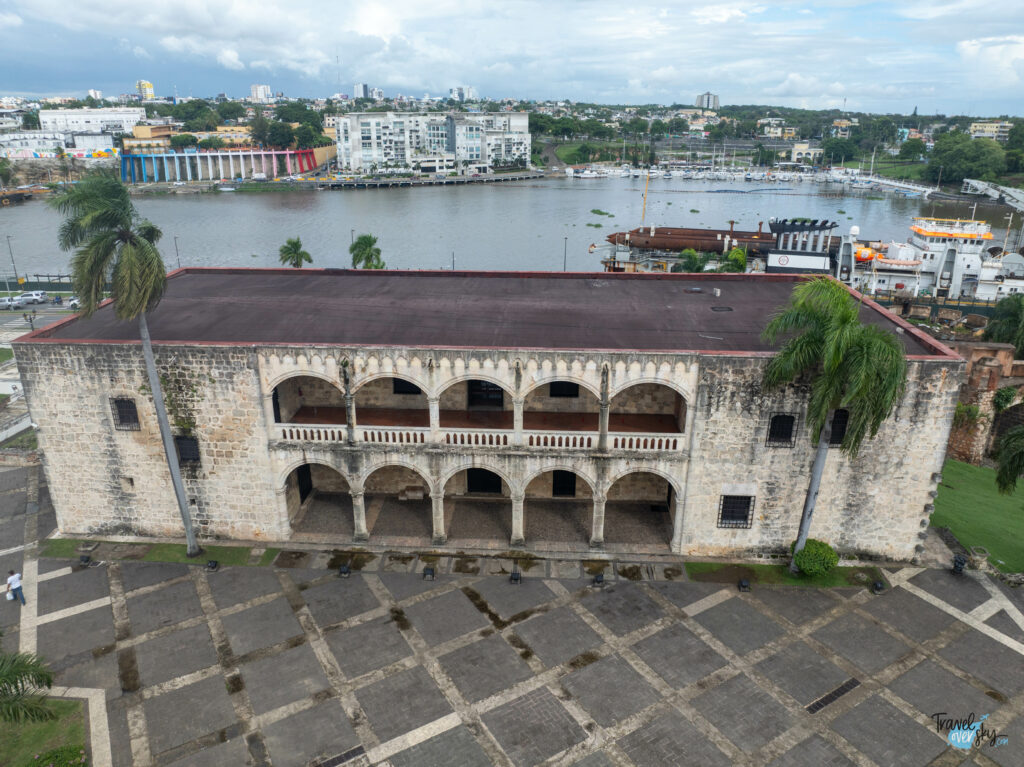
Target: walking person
(14, 585)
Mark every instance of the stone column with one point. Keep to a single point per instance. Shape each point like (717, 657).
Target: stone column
(350, 417)
(602, 440)
(268, 410)
(517, 420)
(597, 531)
(359, 532)
(677, 522)
(518, 538)
(434, 404)
(437, 506)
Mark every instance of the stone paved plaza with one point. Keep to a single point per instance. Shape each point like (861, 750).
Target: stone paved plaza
(293, 666)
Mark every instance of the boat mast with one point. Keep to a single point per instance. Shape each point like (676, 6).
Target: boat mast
(643, 213)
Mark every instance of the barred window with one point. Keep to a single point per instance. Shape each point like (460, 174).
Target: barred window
(188, 449)
(736, 511)
(839, 420)
(126, 415)
(781, 430)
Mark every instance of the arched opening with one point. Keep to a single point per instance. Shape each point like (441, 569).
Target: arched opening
(308, 399)
(397, 505)
(558, 509)
(391, 402)
(318, 501)
(561, 406)
(639, 510)
(648, 408)
(475, 404)
(477, 508)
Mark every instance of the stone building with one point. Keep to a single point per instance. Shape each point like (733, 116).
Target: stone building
(539, 411)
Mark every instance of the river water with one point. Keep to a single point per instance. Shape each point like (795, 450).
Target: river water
(507, 226)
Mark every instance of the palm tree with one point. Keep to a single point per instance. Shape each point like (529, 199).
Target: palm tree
(860, 368)
(1010, 459)
(365, 253)
(690, 261)
(1007, 323)
(22, 677)
(292, 253)
(114, 243)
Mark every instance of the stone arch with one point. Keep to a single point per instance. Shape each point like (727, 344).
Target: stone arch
(478, 515)
(273, 383)
(282, 476)
(596, 391)
(641, 512)
(378, 376)
(317, 499)
(680, 389)
(418, 470)
(664, 411)
(448, 474)
(478, 376)
(591, 482)
(673, 482)
(324, 392)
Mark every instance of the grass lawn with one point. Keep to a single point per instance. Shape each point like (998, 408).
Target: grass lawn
(6, 354)
(268, 557)
(911, 171)
(970, 506)
(228, 556)
(24, 440)
(779, 575)
(20, 743)
(60, 548)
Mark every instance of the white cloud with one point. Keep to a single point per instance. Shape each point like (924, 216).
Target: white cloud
(718, 14)
(1000, 59)
(141, 52)
(10, 20)
(229, 58)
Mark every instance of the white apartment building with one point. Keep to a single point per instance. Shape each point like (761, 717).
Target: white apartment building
(106, 120)
(473, 142)
(145, 89)
(95, 94)
(360, 91)
(377, 94)
(260, 94)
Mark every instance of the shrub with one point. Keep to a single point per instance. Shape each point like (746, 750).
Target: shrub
(816, 557)
(966, 415)
(65, 756)
(1003, 398)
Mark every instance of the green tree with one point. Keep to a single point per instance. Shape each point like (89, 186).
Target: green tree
(23, 677)
(307, 137)
(30, 121)
(183, 140)
(280, 135)
(850, 365)
(7, 174)
(959, 157)
(658, 127)
(213, 142)
(365, 253)
(734, 261)
(690, 261)
(1015, 140)
(1010, 459)
(678, 126)
(294, 112)
(912, 149)
(259, 129)
(231, 110)
(839, 149)
(292, 254)
(114, 244)
(1007, 324)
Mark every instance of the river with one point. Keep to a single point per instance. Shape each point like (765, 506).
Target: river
(508, 226)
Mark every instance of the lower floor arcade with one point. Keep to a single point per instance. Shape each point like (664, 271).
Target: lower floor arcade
(477, 508)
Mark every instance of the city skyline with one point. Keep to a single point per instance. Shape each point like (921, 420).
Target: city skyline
(864, 55)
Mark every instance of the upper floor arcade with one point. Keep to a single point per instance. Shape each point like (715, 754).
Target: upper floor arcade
(560, 403)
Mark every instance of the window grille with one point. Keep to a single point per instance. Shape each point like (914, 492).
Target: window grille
(188, 449)
(736, 511)
(839, 420)
(126, 415)
(782, 430)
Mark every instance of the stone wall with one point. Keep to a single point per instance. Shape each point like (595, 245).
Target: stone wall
(380, 393)
(876, 505)
(107, 481)
(307, 391)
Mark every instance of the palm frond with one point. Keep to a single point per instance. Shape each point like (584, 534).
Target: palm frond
(23, 672)
(876, 377)
(20, 708)
(1010, 460)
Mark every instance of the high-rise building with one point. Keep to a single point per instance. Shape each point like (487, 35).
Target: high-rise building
(95, 94)
(707, 100)
(259, 94)
(377, 94)
(144, 88)
(360, 91)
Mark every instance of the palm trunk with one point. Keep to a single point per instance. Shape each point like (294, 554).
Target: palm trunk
(192, 549)
(812, 490)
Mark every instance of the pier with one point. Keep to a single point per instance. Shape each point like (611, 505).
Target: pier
(1003, 194)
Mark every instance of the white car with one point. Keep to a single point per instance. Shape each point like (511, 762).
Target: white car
(34, 297)
(10, 303)
(73, 303)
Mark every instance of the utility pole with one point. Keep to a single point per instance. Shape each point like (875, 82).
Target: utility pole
(939, 182)
(16, 281)
(353, 231)
(565, 252)
(176, 253)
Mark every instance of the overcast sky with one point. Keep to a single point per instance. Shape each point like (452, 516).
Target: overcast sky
(950, 56)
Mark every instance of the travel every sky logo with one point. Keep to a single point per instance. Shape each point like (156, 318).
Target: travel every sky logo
(967, 732)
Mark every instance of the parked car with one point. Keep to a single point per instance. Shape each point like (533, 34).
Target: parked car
(34, 297)
(73, 303)
(10, 303)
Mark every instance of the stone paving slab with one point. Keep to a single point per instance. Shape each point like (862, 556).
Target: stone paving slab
(610, 690)
(744, 713)
(623, 607)
(961, 591)
(739, 626)
(232, 585)
(82, 586)
(1003, 623)
(909, 614)
(485, 668)
(684, 594)
(445, 617)
(318, 732)
(989, 661)
(402, 702)
(261, 626)
(795, 604)
(1010, 754)
(887, 735)
(931, 689)
(533, 728)
(815, 751)
(182, 715)
(368, 646)
(671, 739)
(76, 634)
(339, 599)
(233, 752)
(176, 654)
(284, 678)
(596, 759)
(803, 673)
(455, 748)
(678, 655)
(403, 587)
(557, 636)
(508, 599)
(861, 642)
(164, 607)
(137, 575)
